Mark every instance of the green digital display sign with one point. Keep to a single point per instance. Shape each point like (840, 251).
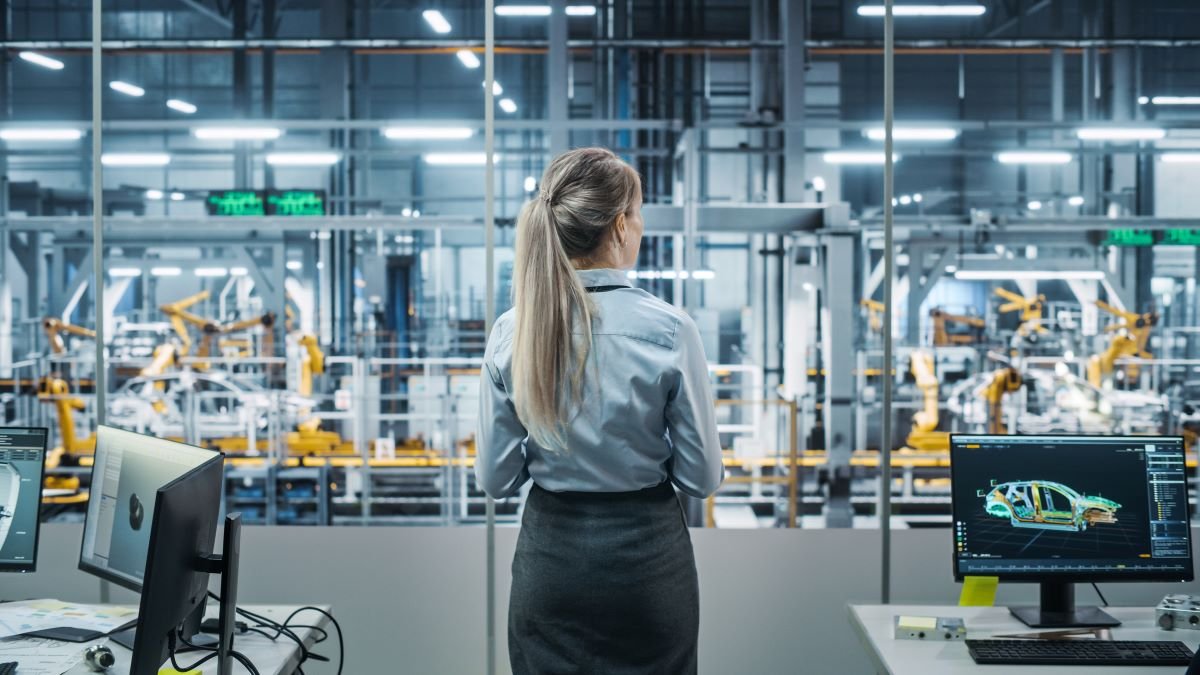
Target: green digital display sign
(266, 203)
(296, 203)
(1129, 237)
(236, 203)
(1181, 238)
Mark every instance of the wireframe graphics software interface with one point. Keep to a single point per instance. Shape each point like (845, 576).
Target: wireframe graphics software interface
(1070, 505)
(22, 452)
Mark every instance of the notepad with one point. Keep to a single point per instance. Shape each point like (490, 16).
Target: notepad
(978, 592)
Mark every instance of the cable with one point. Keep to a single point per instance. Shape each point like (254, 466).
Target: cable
(285, 629)
(1097, 588)
(336, 626)
(242, 659)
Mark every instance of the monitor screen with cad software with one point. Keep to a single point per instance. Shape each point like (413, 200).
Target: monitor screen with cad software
(22, 462)
(128, 471)
(1070, 508)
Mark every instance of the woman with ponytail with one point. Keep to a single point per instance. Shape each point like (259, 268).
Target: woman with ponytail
(599, 393)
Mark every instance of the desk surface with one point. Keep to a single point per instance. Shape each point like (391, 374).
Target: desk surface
(874, 626)
(270, 658)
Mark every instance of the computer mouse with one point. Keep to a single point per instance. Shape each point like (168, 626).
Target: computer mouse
(136, 512)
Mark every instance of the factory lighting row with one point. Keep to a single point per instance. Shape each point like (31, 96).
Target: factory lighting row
(132, 272)
(874, 158)
(438, 22)
(1083, 134)
(120, 86)
(960, 10)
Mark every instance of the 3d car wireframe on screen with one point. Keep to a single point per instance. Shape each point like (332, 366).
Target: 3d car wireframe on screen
(1047, 505)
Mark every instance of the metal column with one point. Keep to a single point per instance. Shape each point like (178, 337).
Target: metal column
(839, 316)
(556, 79)
(794, 68)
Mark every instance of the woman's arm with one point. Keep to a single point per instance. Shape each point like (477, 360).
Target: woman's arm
(500, 443)
(691, 419)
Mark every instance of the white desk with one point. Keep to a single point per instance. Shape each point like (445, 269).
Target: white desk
(270, 658)
(874, 625)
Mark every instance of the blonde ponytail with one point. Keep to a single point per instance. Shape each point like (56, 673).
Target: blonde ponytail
(582, 193)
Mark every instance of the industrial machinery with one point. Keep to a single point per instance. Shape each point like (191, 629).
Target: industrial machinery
(943, 336)
(1130, 340)
(924, 434)
(1030, 308)
(874, 310)
(57, 392)
(180, 318)
(55, 329)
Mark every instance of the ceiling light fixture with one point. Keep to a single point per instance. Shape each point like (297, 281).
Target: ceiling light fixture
(135, 159)
(496, 88)
(303, 158)
(508, 105)
(126, 88)
(294, 265)
(238, 271)
(857, 157)
(124, 272)
(1076, 200)
(35, 134)
(468, 58)
(1029, 275)
(1034, 205)
(1175, 100)
(182, 106)
(581, 10)
(178, 196)
(915, 134)
(523, 10)
(924, 10)
(436, 21)
(1120, 134)
(166, 271)
(237, 133)
(1033, 157)
(41, 60)
(211, 271)
(530, 184)
(428, 133)
(1180, 157)
(457, 158)
(154, 194)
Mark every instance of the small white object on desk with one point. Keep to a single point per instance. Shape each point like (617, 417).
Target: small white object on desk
(874, 625)
(28, 616)
(39, 656)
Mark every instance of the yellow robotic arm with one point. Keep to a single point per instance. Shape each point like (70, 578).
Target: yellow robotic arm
(874, 314)
(1030, 309)
(1004, 381)
(54, 331)
(944, 338)
(180, 317)
(55, 390)
(924, 434)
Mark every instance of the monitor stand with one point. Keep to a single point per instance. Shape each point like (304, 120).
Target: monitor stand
(126, 637)
(1058, 610)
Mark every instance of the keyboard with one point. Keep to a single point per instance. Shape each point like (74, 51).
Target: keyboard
(9, 668)
(1080, 652)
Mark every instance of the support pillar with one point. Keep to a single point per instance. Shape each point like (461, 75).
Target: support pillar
(794, 75)
(557, 62)
(839, 317)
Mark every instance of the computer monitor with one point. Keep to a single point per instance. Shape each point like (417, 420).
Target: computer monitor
(22, 464)
(1057, 510)
(129, 469)
(175, 587)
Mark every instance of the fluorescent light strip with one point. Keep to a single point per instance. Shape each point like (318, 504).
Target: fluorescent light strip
(1076, 200)
(1180, 157)
(1175, 100)
(126, 88)
(1120, 134)
(428, 133)
(181, 106)
(1034, 205)
(41, 60)
(924, 10)
(1033, 157)
(581, 10)
(864, 157)
(294, 265)
(915, 134)
(523, 10)
(238, 271)
(211, 271)
(508, 105)
(34, 134)
(178, 196)
(135, 159)
(154, 194)
(468, 58)
(436, 21)
(457, 158)
(303, 158)
(165, 271)
(530, 184)
(237, 133)
(124, 272)
(1028, 275)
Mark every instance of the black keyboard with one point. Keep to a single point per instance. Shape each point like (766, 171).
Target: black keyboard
(9, 668)
(1080, 652)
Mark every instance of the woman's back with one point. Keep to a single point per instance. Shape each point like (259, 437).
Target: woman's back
(646, 412)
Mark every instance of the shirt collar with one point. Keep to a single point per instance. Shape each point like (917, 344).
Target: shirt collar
(602, 277)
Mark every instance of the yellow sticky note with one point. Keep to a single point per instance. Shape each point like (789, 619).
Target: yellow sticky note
(172, 671)
(978, 592)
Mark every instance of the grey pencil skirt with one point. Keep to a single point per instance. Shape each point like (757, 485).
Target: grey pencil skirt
(603, 583)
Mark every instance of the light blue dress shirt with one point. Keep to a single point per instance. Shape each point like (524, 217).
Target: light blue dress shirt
(647, 413)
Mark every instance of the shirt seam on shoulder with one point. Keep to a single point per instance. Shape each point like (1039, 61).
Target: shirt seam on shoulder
(631, 336)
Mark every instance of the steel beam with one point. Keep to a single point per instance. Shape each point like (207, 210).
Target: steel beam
(557, 63)
(839, 313)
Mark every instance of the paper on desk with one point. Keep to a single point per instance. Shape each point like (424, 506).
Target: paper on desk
(41, 657)
(33, 615)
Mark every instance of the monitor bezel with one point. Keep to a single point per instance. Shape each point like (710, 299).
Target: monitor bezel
(105, 573)
(31, 566)
(1036, 577)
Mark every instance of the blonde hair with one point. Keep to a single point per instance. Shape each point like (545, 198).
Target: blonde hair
(581, 195)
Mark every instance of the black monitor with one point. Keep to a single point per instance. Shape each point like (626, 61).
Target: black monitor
(128, 471)
(1057, 510)
(175, 587)
(22, 464)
